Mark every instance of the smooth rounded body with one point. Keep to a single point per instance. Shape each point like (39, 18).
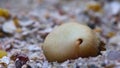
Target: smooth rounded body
(70, 41)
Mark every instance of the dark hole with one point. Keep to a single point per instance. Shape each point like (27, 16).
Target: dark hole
(79, 41)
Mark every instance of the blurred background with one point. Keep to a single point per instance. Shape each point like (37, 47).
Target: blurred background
(24, 24)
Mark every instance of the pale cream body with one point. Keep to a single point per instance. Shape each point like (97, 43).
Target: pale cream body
(64, 42)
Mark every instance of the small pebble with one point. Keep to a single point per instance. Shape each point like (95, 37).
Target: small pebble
(3, 53)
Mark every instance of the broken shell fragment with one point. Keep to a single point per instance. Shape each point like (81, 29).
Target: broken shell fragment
(4, 13)
(94, 6)
(9, 27)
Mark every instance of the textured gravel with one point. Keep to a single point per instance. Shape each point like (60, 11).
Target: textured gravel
(37, 18)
